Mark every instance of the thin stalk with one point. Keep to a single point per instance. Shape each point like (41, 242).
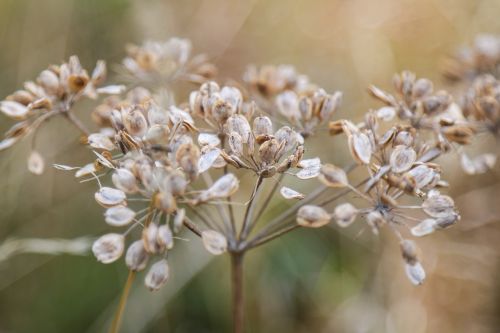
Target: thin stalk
(268, 199)
(249, 211)
(115, 326)
(270, 237)
(237, 289)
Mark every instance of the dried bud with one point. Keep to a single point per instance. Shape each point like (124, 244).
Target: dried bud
(134, 121)
(262, 126)
(361, 148)
(312, 216)
(459, 134)
(108, 248)
(119, 216)
(222, 188)
(214, 241)
(409, 251)
(345, 214)
(165, 201)
(157, 275)
(165, 239)
(136, 257)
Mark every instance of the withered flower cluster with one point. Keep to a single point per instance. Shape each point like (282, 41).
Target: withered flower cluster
(54, 92)
(163, 168)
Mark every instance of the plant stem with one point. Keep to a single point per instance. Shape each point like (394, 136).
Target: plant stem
(78, 124)
(115, 326)
(237, 290)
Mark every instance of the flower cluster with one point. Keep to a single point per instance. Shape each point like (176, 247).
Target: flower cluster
(54, 92)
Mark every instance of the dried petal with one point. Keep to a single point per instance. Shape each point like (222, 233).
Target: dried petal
(214, 241)
(36, 163)
(288, 193)
(119, 216)
(157, 275)
(312, 216)
(108, 248)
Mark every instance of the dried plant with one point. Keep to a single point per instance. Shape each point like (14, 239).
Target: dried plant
(163, 168)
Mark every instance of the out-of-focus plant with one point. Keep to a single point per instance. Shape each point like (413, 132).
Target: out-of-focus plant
(177, 166)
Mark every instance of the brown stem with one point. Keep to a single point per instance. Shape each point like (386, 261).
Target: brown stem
(237, 284)
(115, 326)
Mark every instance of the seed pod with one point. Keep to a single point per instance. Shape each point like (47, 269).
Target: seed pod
(333, 176)
(268, 151)
(207, 139)
(208, 157)
(289, 193)
(124, 180)
(288, 105)
(409, 251)
(285, 135)
(100, 141)
(403, 138)
(49, 81)
(330, 104)
(239, 124)
(415, 273)
(422, 175)
(345, 214)
(421, 88)
(165, 201)
(14, 109)
(305, 108)
(134, 121)
(439, 206)
(108, 248)
(36, 164)
(222, 188)
(108, 197)
(460, 134)
(214, 241)
(149, 239)
(221, 111)
(375, 220)
(164, 238)
(157, 134)
(447, 221)
(157, 275)
(232, 96)
(402, 159)
(176, 183)
(235, 142)
(262, 126)
(136, 257)
(386, 113)
(119, 216)
(425, 227)
(360, 147)
(86, 170)
(335, 127)
(179, 219)
(310, 168)
(312, 216)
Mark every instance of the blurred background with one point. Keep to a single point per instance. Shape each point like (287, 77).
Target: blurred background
(308, 281)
